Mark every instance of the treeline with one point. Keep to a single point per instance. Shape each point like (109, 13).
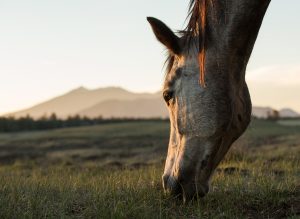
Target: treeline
(11, 124)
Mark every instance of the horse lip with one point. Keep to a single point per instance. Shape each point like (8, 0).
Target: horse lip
(194, 192)
(186, 192)
(171, 185)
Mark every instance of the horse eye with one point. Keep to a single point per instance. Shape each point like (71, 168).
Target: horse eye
(168, 95)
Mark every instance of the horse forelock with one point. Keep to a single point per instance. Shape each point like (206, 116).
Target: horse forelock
(195, 29)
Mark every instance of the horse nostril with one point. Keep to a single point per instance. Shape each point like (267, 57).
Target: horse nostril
(240, 118)
(202, 190)
(171, 185)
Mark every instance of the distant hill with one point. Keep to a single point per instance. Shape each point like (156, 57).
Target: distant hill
(286, 112)
(261, 112)
(80, 99)
(264, 112)
(116, 102)
(139, 108)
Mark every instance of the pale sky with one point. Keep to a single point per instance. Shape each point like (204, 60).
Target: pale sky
(50, 47)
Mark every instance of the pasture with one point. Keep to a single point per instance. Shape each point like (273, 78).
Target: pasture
(114, 171)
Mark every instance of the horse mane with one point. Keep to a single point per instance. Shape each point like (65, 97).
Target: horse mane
(196, 27)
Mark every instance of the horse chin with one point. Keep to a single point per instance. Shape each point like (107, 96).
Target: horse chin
(186, 192)
(194, 192)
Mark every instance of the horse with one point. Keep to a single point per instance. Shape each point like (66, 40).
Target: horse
(205, 89)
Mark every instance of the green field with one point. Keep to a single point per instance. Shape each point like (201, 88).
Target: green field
(114, 171)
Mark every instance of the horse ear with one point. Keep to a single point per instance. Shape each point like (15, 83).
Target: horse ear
(165, 35)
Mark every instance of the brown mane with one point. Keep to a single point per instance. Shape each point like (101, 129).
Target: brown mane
(196, 27)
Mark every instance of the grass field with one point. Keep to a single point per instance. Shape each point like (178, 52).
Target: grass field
(114, 171)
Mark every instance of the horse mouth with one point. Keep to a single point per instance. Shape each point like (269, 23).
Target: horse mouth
(185, 191)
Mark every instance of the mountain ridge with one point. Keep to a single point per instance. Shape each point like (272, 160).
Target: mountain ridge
(78, 99)
(116, 102)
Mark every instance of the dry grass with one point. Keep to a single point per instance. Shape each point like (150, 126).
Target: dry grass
(114, 171)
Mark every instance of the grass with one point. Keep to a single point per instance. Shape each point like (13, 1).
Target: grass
(114, 171)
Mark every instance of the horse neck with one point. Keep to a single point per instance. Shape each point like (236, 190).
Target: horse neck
(240, 21)
(233, 25)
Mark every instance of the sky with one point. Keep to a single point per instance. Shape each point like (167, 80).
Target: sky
(50, 47)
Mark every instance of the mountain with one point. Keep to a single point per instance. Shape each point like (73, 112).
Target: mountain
(265, 112)
(80, 99)
(286, 112)
(139, 108)
(262, 112)
(117, 102)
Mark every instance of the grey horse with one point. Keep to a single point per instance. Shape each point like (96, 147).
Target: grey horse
(205, 89)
